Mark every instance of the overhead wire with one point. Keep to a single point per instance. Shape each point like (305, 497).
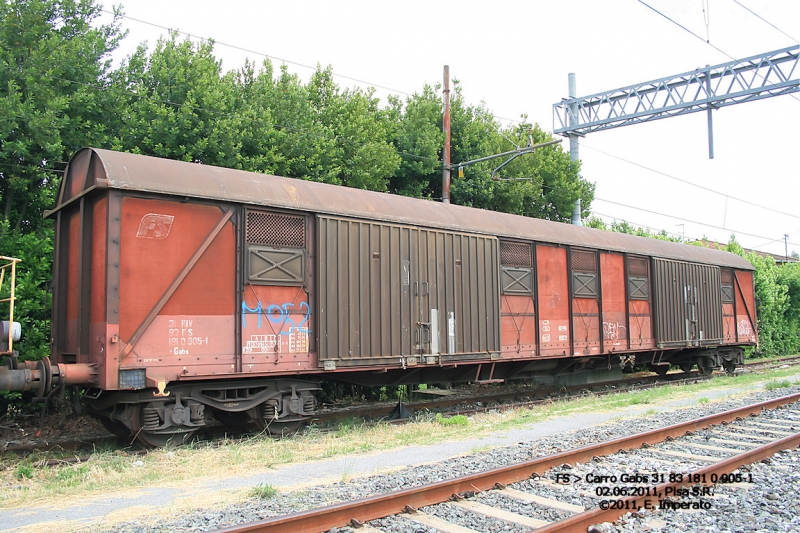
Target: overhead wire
(727, 196)
(681, 235)
(766, 243)
(708, 42)
(643, 226)
(687, 182)
(596, 198)
(684, 28)
(765, 20)
(250, 51)
(686, 220)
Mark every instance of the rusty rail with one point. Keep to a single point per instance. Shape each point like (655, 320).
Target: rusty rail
(379, 506)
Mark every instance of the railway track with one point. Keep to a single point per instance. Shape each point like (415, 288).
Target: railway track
(635, 382)
(447, 406)
(684, 461)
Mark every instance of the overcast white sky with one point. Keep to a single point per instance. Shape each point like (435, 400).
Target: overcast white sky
(515, 56)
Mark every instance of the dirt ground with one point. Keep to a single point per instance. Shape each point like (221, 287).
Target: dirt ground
(19, 427)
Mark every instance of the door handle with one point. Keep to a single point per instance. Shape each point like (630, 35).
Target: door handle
(427, 288)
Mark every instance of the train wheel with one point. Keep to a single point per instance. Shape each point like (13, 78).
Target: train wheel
(116, 428)
(267, 420)
(730, 367)
(686, 367)
(231, 419)
(661, 370)
(284, 429)
(146, 417)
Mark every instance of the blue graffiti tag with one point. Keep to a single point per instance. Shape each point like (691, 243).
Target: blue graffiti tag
(278, 314)
(246, 310)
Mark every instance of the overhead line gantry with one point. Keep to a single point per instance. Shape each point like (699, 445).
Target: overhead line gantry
(704, 89)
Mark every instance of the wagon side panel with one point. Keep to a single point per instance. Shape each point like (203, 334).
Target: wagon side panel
(276, 323)
(585, 289)
(745, 307)
(177, 305)
(519, 326)
(639, 294)
(615, 324)
(553, 296)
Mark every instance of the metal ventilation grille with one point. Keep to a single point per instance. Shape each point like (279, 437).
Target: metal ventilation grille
(637, 267)
(275, 229)
(726, 277)
(515, 254)
(583, 261)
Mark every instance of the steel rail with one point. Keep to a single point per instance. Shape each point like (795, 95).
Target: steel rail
(379, 506)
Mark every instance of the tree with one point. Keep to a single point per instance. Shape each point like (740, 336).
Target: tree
(54, 68)
(359, 154)
(178, 105)
(544, 184)
(416, 132)
(54, 71)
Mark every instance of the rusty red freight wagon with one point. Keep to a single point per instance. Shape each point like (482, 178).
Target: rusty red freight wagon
(181, 289)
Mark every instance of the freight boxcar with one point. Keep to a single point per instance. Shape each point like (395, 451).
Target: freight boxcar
(181, 288)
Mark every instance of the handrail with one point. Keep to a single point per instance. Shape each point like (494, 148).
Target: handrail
(12, 264)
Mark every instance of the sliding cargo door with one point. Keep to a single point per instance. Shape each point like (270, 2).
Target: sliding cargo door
(468, 294)
(688, 304)
(398, 295)
(364, 292)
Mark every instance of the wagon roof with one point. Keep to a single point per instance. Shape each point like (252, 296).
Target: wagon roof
(95, 168)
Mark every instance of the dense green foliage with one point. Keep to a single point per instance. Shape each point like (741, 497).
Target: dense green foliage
(53, 71)
(60, 93)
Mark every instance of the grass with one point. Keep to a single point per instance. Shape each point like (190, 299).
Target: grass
(703, 400)
(457, 420)
(772, 385)
(263, 491)
(25, 470)
(112, 471)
